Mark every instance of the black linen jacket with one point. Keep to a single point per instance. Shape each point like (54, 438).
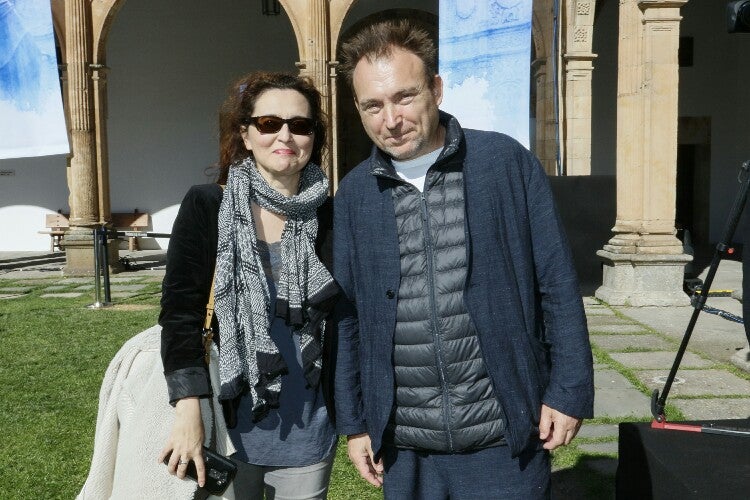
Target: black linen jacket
(191, 259)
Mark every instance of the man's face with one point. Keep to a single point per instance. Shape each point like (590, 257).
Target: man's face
(398, 109)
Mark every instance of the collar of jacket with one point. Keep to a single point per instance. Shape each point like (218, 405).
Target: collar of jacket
(382, 166)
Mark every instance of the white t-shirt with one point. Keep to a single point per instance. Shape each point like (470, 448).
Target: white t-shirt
(414, 171)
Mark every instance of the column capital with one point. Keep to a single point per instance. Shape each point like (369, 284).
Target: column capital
(99, 72)
(661, 4)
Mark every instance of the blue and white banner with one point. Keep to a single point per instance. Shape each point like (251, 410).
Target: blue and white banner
(32, 121)
(485, 57)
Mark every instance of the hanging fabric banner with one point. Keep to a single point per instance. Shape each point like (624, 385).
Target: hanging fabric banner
(32, 122)
(485, 58)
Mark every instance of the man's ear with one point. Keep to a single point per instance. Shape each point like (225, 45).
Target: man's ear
(437, 89)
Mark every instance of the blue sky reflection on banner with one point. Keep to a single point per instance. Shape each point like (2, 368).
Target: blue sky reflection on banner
(32, 122)
(485, 52)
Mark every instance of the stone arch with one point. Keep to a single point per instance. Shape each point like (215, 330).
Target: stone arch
(339, 10)
(58, 23)
(296, 11)
(544, 144)
(102, 15)
(354, 146)
(537, 34)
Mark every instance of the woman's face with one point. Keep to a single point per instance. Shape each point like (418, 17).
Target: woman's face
(281, 155)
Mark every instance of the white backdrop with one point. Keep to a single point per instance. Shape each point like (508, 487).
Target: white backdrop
(32, 122)
(485, 52)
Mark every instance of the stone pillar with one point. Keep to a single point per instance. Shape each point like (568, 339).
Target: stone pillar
(334, 130)
(579, 66)
(99, 79)
(82, 170)
(539, 71)
(315, 60)
(543, 71)
(546, 118)
(644, 261)
(337, 13)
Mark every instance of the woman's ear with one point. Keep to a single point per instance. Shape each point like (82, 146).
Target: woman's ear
(245, 134)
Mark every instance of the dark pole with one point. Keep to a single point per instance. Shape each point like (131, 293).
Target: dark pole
(105, 263)
(97, 267)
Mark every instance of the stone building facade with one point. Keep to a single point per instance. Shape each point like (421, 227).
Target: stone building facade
(642, 261)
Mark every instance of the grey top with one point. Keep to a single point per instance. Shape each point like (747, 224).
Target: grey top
(298, 433)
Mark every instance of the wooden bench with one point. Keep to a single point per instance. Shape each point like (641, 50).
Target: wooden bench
(134, 221)
(57, 224)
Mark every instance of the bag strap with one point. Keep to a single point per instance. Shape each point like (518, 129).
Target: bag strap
(208, 331)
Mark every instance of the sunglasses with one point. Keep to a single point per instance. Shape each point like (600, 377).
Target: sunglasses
(272, 124)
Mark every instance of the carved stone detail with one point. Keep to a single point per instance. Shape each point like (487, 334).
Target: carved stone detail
(583, 8)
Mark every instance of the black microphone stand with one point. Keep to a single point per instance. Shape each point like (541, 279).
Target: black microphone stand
(659, 402)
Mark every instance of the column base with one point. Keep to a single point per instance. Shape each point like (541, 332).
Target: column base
(637, 279)
(79, 254)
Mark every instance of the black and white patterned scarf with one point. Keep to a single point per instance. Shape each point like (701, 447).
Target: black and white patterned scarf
(249, 360)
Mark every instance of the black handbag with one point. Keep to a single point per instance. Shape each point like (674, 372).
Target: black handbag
(220, 472)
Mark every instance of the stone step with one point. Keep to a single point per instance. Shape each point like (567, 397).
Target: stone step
(32, 260)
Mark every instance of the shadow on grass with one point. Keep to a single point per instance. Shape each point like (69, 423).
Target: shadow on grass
(591, 477)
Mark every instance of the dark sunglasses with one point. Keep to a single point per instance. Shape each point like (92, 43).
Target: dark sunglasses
(272, 124)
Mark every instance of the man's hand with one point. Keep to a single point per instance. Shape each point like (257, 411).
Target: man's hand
(557, 429)
(360, 453)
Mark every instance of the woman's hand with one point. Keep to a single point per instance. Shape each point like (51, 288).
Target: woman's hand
(186, 441)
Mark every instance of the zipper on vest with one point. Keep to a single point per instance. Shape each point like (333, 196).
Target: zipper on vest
(433, 312)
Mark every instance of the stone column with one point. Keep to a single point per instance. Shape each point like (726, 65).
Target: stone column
(546, 118)
(82, 171)
(333, 129)
(579, 66)
(315, 59)
(644, 261)
(99, 79)
(538, 70)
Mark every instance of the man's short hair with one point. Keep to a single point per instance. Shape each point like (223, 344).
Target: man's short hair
(378, 40)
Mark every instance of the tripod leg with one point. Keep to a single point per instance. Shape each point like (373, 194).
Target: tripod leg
(658, 403)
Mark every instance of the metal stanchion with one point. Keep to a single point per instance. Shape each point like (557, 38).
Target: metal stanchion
(105, 269)
(99, 260)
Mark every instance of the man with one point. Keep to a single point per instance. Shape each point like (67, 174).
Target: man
(463, 353)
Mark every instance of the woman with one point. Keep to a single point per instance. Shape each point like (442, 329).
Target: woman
(267, 234)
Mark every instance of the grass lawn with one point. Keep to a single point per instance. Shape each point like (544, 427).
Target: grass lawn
(53, 357)
(54, 353)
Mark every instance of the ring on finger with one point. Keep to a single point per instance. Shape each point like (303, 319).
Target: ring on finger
(183, 462)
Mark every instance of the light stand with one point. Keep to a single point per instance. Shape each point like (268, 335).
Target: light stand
(659, 402)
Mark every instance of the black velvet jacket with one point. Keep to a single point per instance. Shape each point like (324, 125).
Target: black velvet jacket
(191, 259)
